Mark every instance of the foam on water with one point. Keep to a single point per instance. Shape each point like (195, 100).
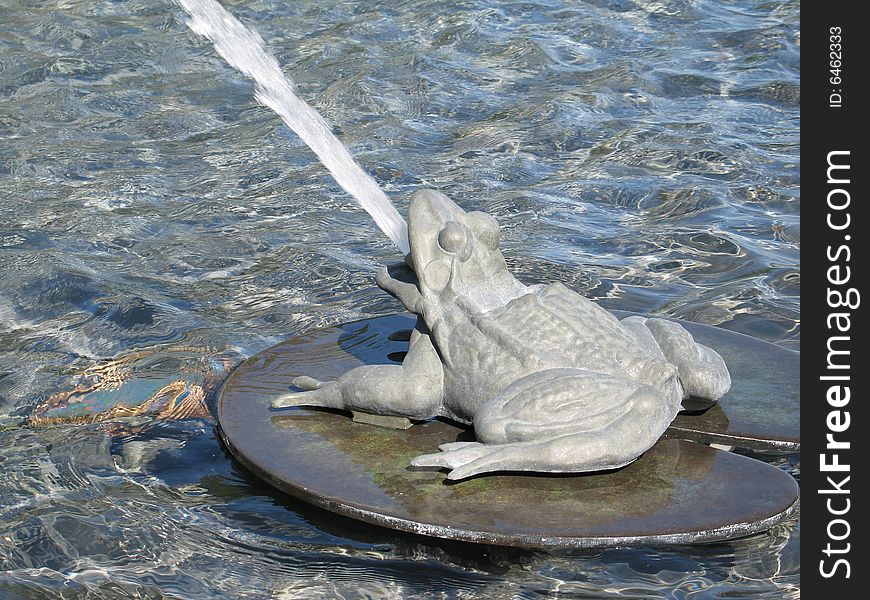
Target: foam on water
(244, 49)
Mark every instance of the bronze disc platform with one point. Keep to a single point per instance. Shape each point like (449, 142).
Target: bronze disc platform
(678, 492)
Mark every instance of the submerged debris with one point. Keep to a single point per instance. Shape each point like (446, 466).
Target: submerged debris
(164, 384)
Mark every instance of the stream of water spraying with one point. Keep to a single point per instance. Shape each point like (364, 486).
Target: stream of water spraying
(244, 49)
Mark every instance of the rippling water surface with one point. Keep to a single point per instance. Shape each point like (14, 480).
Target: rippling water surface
(157, 226)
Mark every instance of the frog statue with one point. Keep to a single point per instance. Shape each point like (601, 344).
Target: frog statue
(550, 381)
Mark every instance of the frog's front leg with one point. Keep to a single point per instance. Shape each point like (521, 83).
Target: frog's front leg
(558, 421)
(413, 389)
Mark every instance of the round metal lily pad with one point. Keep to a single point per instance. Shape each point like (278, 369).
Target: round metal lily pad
(760, 412)
(677, 492)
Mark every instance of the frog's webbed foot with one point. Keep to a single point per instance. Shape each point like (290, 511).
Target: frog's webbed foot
(316, 393)
(412, 389)
(702, 371)
(561, 421)
(376, 389)
(459, 457)
(573, 453)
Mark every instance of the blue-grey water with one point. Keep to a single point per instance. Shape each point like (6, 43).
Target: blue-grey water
(157, 226)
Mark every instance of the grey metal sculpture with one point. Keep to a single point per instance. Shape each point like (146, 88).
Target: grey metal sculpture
(550, 381)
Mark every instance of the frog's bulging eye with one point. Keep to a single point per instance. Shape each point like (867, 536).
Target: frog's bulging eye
(455, 239)
(485, 228)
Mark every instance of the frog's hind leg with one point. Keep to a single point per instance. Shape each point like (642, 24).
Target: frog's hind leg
(558, 421)
(702, 371)
(413, 389)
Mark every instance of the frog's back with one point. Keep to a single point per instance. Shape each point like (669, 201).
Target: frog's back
(556, 327)
(549, 327)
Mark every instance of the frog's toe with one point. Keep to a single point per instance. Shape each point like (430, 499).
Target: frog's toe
(325, 394)
(452, 455)
(306, 383)
(292, 399)
(456, 446)
(436, 459)
(485, 464)
(468, 461)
